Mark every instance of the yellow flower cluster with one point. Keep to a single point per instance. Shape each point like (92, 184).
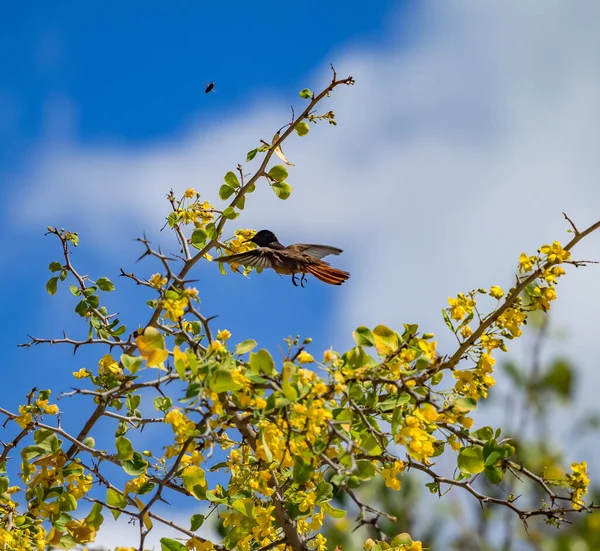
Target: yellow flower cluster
(460, 306)
(181, 425)
(475, 383)
(579, 482)
(157, 281)
(390, 474)
(109, 366)
(417, 435)
(512, 319)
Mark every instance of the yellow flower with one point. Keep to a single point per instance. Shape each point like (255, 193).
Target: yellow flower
(579, 482)
(305, 358)
(496, 292)
(223, 335)
(390, 474)
(197, 544)
(189, 193)
(466, 332)
(108, 366)
(215, 346)
(460, 306)
(25, 418)
(82, 373)
(157, 281)
(329, 356)
(555, 253)
(319, 543)
(526, 263)
(428, 348)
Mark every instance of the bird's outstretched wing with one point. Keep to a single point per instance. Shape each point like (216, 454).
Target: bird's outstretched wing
(316, 251)
(256, 258)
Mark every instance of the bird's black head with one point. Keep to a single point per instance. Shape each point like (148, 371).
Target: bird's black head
(264, 238)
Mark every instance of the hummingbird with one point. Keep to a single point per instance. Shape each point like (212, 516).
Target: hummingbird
(301, 258)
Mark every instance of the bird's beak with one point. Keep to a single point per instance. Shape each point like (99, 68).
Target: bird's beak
(249, 240)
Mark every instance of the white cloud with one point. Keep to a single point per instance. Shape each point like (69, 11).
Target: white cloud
(462, 142)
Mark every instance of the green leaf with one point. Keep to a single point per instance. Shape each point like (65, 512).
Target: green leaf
(115, 499)
(447, 320)
(465, 404)
(167, 544)
(231, 180)
(470, 460)
(124, 448)
(363, 336)
(136, 465)
(306, 93)
(95, 518)
(225, 192)
(55, 267)
(194, 481)
(493, 474)
(199, 236)
(246, 346)
(163, 403)
(131, 363)
(279, 173)
(251, 155)
(332, 511)
(366, 469)
(245, 506)
(51, 285)
(287, 378)
(386, 340)
(282, 189)
(230, 213)
(222, 381)
(196, 521)
(211, 230)
(559, 379)
(262, 362)
(105, 284)
(302, 128)
(302, 470)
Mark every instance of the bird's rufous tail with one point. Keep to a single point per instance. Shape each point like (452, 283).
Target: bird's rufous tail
(327, 274)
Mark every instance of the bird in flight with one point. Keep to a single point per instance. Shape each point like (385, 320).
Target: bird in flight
(209, 88)
(301, 258)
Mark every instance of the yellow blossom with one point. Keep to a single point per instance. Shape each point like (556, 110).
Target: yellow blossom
(329, 356)
(579, 482)
(305, 358)
(555, 253)
(428, 349)
(189, 193)
(223, 335)
(25, 418)
(157, 281)
(496, 292)
(109, 366)
(466, 332)
(526, 263)
(460, 306)
(390, 474)
(216, 346)
(319, 543)
(196, 544)
(82, 373)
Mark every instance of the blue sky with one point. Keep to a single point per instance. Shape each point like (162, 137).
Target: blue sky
(472, 126)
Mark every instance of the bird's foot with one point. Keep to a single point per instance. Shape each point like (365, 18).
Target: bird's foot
(294, 280)
(303, 280)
